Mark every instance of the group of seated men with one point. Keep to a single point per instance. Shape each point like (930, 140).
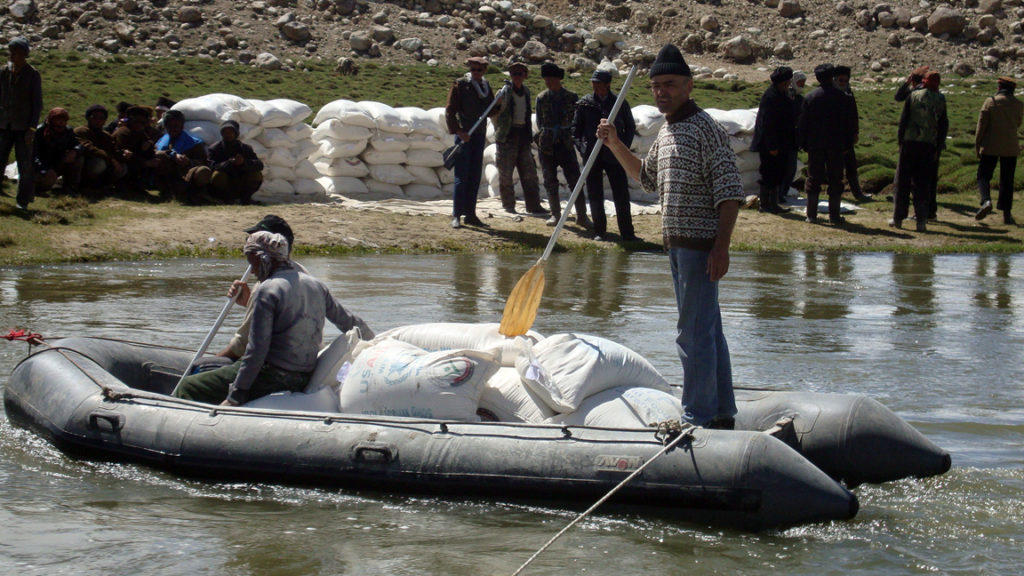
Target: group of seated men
(144, 149)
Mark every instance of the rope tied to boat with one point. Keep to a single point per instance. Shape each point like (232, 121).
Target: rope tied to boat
(670, 433)
(31, 337)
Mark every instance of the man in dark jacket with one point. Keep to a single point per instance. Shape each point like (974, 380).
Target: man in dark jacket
(774, 137)
(57, 153)
(237, 171)
(589, 112)
(825, 129)
(21, 103)
(842, 82)
(555, 109)
(468, 98)
(104, 165)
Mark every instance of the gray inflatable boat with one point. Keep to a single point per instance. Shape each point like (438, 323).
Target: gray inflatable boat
(108, 399)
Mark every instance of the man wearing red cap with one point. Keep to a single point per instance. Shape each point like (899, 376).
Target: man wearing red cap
(995, 140)
(693, 168)
(922, 136)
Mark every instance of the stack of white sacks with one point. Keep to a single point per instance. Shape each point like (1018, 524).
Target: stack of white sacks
(373, 151)
(372, 148)
(276, 131)
(469, 372)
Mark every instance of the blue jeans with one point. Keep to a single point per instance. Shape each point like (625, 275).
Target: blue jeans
(468, 170)
(707, 370)
(23, 155)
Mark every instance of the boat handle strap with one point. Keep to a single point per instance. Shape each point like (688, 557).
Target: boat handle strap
(374, 452)
(114, 421)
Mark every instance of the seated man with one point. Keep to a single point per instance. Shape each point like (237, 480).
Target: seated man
(182, 170)
(289, 309)
(56, 152)
(237, 171)
(136, 141)
(103, 164)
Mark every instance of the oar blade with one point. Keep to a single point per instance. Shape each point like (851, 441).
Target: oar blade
(521, 307)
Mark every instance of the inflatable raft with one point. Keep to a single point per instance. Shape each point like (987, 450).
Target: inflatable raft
(108, 399)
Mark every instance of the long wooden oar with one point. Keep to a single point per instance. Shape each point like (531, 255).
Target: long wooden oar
(521, 307)
(213, 331)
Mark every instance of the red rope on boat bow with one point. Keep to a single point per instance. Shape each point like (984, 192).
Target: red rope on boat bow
(23, 336)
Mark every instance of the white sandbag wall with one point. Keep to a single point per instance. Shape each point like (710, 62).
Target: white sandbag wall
(373, 151)
(739, 124)
(278, 134)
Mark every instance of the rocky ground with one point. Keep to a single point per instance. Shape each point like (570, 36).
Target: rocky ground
(732, 38)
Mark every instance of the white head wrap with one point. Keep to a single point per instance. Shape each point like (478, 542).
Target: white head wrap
(271, 248)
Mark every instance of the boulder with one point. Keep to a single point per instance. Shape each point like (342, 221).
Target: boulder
(693, 44)
(710, 23)
(738, 49)
(990, 6)
(22, 10)
(783, 51)
(382, 34)
(267, 61)
(790, 8)
(296, 32)
(360, 41)
(946, 21)
(410, 44)
(608, 36)
(190, 15)
(886, 19)
(109, 11)
(535, 52)
(963, 69)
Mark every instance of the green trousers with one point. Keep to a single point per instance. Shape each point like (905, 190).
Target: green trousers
(212, 386)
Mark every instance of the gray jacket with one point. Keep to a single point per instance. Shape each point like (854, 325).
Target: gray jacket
(287, 326)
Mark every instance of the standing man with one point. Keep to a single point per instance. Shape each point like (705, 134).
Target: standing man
(589, 112)
(513, 133)
(555, 108)
(796, 95)
(826, 129)
(922, 136)
(693, 168)
(995, 140)
(21, 103)
(774, 137)
(237, 170)
(468, 97)
(850, 155)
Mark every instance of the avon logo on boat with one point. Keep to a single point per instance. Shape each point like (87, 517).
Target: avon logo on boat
(618, 463)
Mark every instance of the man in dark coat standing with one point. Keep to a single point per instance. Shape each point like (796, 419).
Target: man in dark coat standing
(468, 98)
(21, 103)
(774, 137)
(589, 112)
(826, 128)
(842, 82)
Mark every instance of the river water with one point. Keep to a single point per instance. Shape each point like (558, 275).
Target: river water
(937, 339)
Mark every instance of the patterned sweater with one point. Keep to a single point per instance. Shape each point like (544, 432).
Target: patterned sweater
(693, 169)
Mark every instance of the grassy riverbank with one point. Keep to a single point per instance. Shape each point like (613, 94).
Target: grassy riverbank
(73, 229)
